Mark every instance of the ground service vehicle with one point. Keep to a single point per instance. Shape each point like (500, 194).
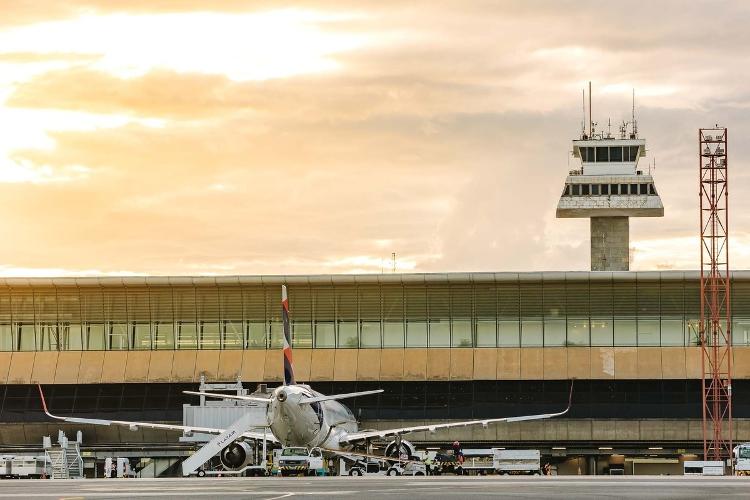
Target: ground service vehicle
(516, 461)
(23, 467)
(296, 461)
(407, 469)
(371, 466)
(703, 467)
(742, 459)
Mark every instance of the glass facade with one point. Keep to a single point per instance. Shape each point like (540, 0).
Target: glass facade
(393, 311)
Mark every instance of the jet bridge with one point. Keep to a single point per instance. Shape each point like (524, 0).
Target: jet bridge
(222, 413)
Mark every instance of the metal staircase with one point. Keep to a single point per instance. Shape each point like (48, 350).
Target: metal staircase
(64, 458)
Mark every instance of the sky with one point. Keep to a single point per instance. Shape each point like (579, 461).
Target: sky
(185, 137)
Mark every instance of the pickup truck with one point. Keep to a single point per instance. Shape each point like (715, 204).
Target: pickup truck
(298, 461)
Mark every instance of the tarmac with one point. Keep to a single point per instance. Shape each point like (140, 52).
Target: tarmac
(587, 487)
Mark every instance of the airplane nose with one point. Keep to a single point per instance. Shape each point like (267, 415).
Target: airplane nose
(281, 396)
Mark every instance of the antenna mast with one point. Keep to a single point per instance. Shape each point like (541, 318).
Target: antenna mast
(635, 124)
(590, 122)
(583, 115)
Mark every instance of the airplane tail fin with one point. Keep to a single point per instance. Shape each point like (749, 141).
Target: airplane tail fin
(288, 365)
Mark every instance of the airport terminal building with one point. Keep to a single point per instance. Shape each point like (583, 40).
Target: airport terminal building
(442, 346)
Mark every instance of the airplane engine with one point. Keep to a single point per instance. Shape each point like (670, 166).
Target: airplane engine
(399, 447)
(236, 455)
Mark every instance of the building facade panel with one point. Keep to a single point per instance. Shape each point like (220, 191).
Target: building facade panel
(21, 366)
(90, 369)
(160, 366)
(45, 364)
(230, 365)
(68, 366)
(113, 369)
(369, 364)
(137, 366)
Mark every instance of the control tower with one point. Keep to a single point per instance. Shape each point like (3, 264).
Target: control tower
(609, 188)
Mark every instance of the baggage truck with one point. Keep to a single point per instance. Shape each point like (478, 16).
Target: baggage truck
(516, 461)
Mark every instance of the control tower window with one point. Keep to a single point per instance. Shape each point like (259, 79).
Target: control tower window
(584, 189)
(602, 153)
(604, 189)
(615, 154)
(634, 189)
(632, 153)
(576, 189)
(613, 188)
(595, 189)
(623, 189)
(644, 189)
(566, 192)
(589, 152)
(651, 189)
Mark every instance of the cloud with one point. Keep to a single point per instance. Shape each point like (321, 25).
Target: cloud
(444, 140)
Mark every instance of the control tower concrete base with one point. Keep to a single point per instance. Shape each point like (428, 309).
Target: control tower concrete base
(610, 237)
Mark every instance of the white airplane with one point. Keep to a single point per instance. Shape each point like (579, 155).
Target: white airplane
(296, 415)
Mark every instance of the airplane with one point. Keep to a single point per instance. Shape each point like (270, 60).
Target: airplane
(296, 415)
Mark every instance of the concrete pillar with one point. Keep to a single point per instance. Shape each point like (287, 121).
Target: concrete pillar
(610, 241)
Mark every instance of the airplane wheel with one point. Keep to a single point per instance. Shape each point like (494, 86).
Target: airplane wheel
(201, 473)
(392, 472)
(355, 472)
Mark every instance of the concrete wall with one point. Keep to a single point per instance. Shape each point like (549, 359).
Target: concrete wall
(311, 365)
(610, 241)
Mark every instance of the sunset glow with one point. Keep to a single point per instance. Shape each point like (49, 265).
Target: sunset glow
(166, 138)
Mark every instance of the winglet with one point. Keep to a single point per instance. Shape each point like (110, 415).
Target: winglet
(44, 403)
(570, 396)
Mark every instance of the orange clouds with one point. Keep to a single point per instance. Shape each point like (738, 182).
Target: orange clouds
(442, 137)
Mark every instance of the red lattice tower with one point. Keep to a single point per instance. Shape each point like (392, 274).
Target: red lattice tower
(715, 325)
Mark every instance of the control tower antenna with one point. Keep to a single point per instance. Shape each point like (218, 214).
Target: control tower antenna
(590, 121)
(583, 115)
(635, 123)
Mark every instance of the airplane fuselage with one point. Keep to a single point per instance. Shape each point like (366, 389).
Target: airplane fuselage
(323, 424)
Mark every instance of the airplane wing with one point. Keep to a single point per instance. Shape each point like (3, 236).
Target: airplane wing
(254, 399)
(134, 426)
(332, 397)
(357, 436)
